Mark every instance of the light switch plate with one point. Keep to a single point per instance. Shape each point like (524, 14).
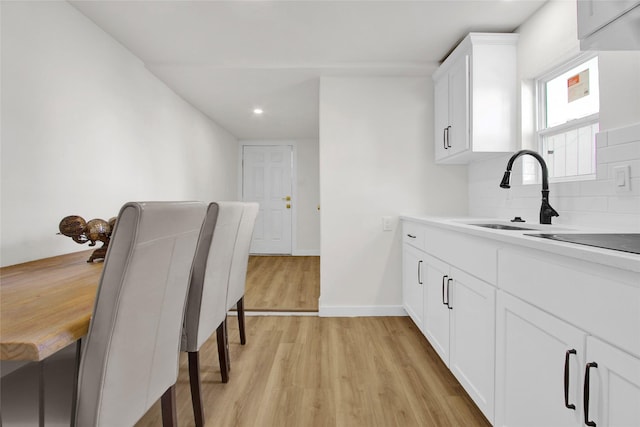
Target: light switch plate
(621, 178)
(386, 223)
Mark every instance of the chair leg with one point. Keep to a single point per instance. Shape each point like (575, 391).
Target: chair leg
(240, 305)
(196, 392)
(223, 351)
(168, 403)
(76, 375)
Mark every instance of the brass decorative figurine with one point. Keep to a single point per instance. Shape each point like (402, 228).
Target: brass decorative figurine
(95, 230)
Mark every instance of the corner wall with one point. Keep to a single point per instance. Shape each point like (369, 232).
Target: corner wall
(376, 159)
(86, 127)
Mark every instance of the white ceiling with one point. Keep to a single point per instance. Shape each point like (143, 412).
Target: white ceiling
(228, 57)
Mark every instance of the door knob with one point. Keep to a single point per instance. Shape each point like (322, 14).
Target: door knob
(288, 205)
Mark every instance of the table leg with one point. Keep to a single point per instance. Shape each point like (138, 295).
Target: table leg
(41, 386)
(76, 373)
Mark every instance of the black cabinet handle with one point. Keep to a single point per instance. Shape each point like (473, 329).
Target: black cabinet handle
(449, 280)
(566, 379)
(586, 394)
(444, 137)
(411, 236)
(419, 275)
(444, 280)
(448, 137)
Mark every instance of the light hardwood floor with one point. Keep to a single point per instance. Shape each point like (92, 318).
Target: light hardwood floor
(282, 283)
(311, 371)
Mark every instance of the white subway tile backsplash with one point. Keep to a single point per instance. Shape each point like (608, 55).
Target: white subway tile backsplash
(602, 187)
(624, 204)
(592, 203)
(618, 153)
(582, 204)
(623, 135)
(601, 140)
(608, 222)
(565, 188)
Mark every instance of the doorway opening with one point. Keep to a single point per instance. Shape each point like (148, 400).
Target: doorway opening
(281, 277)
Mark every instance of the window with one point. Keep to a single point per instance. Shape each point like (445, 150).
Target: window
(568, 119)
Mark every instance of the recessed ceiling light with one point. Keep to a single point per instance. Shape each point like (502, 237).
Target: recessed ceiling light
(257, 111)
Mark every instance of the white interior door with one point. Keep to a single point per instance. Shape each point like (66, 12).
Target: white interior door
(266, 179)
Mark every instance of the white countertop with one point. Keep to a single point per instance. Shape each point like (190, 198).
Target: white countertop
(612, 258)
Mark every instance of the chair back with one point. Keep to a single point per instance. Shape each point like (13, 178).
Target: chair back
(130, 355)
(238, 276)
(206, 303)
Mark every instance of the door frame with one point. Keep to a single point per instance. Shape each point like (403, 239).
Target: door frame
(294, 180)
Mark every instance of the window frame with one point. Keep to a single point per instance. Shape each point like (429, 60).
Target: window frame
(543, 131)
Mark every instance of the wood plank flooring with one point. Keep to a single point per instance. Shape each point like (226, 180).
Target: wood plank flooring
(334, 372)
(282, 283)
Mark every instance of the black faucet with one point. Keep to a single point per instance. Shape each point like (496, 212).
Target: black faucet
(546, 211)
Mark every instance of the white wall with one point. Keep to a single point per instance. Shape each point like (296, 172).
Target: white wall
(85, 128)
(376, 159)
(546, 40)
(306, 193)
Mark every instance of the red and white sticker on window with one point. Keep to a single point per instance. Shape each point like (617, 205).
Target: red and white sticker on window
(578, 86)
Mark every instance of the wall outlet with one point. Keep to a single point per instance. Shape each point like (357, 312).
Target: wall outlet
(621, 179)
(386, 223)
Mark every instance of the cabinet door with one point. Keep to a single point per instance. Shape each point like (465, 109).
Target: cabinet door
(441, 116)
(472, 338)
(436, 310)
(614, 386)
(594, 14)
(458, 134)
(531, 364)
(412, 282)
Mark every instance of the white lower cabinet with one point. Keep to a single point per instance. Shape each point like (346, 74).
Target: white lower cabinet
(412, 283)
(535, 338)
(541, 373)
(613, 386)
(437, 293)
(459, 322)
(539, 367)
(472, 338)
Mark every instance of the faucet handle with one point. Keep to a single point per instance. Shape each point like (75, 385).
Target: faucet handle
(547, 212)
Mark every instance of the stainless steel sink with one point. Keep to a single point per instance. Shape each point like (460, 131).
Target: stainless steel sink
(501, 227)
(625, 242)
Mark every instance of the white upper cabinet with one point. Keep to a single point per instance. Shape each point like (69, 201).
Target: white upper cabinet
(475, 98)
(609, 25)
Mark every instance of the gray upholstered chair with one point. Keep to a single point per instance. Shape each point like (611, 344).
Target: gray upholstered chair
(238, 275)
(206, 303)
(130, 356)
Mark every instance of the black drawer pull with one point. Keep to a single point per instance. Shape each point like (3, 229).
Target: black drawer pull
(449, 280)
(448, 138)
(444, 280)
(566, 379)
(587, 380)
(419, 275)
(411, 236)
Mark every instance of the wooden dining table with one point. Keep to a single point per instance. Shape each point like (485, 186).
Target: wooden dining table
(46, 305)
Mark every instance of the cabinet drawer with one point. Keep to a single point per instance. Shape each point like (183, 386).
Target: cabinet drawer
(603, 301)
(413, 234)
(469, 253)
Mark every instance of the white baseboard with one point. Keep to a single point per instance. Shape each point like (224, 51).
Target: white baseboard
(306, 252)
(277, 313)
(362, 311)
